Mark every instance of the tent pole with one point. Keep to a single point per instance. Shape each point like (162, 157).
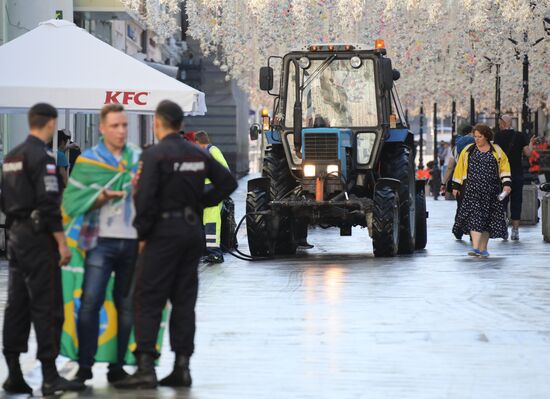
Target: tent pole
(67, 120)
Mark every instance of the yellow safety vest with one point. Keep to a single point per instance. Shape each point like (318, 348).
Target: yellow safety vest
(218, 156)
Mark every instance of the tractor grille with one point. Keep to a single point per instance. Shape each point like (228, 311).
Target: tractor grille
(321, 147)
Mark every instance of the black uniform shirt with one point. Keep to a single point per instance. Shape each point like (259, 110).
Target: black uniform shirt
(172, 177)
(512, 143)
(30, 181)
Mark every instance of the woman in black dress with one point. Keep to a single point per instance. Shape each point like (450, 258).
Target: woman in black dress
(482, 173)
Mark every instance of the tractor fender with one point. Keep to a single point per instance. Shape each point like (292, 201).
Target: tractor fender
(394, 184)
(399, 136)
(273, 136)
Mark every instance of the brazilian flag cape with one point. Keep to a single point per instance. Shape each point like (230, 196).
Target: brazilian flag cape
(95, 170)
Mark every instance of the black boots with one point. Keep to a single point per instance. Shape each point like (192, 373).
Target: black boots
(53, 383)
(180, 376)
(60, 385)
(15, 383)
(145, 376)
(116, 373)
(83, 374)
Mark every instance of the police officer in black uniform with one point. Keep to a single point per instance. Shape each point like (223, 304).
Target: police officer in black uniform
(169, 201)
(31, 198)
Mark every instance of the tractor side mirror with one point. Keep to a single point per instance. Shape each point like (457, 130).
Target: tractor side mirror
(255, 130)
(266, 78)
(396, 75)
(386, 73)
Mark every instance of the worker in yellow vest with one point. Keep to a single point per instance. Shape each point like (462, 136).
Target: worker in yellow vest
(212, 216)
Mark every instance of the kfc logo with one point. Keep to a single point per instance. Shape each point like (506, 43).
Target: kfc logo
(126, 97)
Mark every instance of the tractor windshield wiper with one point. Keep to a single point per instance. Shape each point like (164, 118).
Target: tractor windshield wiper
(318, 71)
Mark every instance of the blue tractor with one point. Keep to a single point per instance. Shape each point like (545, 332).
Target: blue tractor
(339, 154)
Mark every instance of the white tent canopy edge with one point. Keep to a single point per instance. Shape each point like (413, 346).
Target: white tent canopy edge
(94, 74)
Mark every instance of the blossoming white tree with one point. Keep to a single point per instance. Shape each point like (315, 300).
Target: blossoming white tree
(444, 48)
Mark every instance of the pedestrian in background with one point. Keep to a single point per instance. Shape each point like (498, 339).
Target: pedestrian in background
(482, 173)
(61, 158)
(212, 216)
(37, 247)
(169, 199)
(73, 151)
(466, 138)
(443, 155)
(98, 200)
(516, 145)
(457, 145)
(189, 136)
(448, 169)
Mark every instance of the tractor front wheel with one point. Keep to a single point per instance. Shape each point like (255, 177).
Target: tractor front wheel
(257, 201)
(385, 222)
(276, 168)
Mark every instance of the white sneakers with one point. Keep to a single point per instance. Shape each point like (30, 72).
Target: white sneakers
(515, 234)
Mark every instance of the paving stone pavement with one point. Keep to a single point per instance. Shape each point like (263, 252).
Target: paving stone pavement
(334, 322)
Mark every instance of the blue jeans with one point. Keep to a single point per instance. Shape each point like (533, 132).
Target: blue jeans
(110, 255)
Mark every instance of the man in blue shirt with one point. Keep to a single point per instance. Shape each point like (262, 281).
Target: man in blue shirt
(61, 158)
(466, 137)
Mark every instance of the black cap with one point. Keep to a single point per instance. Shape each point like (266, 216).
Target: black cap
(62, 136)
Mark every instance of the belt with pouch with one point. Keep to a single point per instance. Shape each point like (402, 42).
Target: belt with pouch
(187, 214)
(34, 220)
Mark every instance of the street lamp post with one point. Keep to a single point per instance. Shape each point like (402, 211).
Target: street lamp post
(421, 141)
(472, 110)
(497, 90)
(435, 136)
(436, 172)
(497, 99)
(472, 104)
(525, 110)
(453, 118)
(525, 123)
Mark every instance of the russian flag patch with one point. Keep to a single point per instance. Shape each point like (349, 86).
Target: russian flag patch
(50, 169)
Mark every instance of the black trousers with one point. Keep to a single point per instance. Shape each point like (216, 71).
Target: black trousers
(168, 270)
(34, 293)
(516, 197)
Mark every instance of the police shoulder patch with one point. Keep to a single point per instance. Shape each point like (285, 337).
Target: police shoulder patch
(51, 184)
(193, 166)
(16, 166)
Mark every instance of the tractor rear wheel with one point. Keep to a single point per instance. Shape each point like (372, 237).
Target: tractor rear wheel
(275, 167)
(397, 162)
(257, 200)
(385, 222)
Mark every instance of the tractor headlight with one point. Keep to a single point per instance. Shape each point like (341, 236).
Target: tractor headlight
(332, 170)
(309, 170)
(304, 62)
(355, 62)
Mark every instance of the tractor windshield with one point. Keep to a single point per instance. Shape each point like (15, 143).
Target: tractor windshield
(334, 94)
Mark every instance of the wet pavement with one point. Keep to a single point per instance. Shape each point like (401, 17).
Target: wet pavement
(334, 322)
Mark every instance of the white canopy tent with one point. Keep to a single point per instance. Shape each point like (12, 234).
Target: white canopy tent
(90, 75)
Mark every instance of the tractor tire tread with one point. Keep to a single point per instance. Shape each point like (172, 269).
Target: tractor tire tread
(256, 225)
(383, 223)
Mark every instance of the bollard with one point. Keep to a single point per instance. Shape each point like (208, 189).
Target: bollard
(546, 217)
